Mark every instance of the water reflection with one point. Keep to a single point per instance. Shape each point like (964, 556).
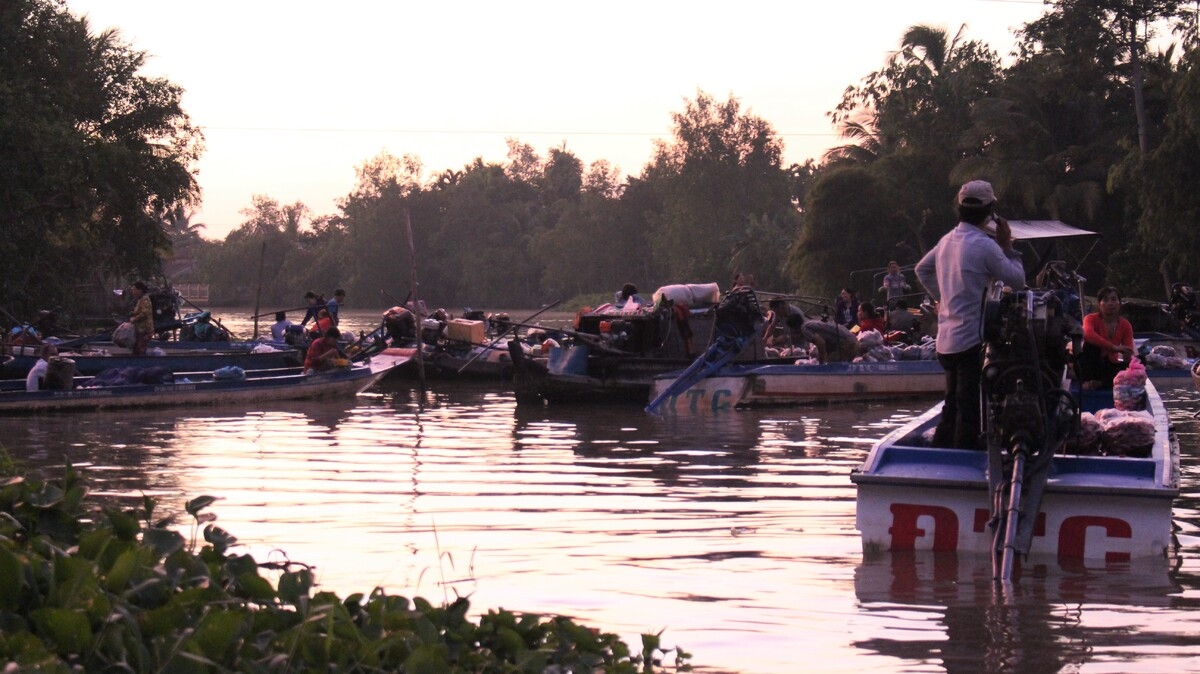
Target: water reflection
(945, 609)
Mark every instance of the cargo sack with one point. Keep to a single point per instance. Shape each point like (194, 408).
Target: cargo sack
(125, 335)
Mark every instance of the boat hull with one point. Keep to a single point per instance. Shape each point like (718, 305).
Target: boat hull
(1111, 508)
(257, 387)
(174, 361)
(763, 385)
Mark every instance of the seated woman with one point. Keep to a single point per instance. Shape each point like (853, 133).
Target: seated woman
(1107, 342)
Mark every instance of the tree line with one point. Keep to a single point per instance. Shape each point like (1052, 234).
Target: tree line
(1092, 121)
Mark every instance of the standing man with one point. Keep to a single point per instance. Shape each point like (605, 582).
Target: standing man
(339, 297)
(957, 272)
(142, 318)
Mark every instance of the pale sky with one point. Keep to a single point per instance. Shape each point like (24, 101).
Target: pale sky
(292, 95)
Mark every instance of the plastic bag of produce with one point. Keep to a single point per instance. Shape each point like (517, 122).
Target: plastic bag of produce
(1127, 433)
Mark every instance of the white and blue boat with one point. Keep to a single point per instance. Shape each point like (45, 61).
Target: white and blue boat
(755, 384)
(1031, 493)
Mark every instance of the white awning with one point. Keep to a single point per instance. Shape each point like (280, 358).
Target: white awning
(1042, 229)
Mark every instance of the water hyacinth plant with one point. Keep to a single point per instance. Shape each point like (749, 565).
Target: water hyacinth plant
(94, 588)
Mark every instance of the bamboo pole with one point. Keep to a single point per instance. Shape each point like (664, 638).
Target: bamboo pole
(412, 259)
(258, 293)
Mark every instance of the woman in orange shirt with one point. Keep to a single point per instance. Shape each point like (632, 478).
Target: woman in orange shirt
(1107, 342)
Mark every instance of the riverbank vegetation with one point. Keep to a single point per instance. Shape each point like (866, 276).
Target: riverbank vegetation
(94, 587)
(1092, 117)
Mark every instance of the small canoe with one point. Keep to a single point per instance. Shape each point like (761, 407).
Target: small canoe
(1113, 507)
(752, 385)
(197, 388)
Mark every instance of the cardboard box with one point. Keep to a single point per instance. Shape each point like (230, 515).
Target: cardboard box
(460, 330)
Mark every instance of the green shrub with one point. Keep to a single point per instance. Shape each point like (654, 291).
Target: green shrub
(84, 587)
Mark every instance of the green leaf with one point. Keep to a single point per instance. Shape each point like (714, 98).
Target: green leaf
(199, 503)
(125, 524)
(122, 570)
(219, 632)
(256, 587)
(68, 630)
(164, 541)
(11, 577)
(295, 586)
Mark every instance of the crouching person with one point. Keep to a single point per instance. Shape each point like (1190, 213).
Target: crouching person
(322, 352)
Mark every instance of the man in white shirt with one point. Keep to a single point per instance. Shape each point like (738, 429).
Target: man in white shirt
(957, 272)
(35, 380)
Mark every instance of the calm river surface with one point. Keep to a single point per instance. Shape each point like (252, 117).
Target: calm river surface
(734, 533)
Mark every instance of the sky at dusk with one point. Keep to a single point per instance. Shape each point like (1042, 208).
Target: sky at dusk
(293, 95)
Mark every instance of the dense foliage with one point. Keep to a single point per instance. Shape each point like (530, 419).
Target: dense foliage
(93, 588)
(1082, 121)
(92, 154)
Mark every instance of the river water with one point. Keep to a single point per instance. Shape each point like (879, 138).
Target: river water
(732, 533)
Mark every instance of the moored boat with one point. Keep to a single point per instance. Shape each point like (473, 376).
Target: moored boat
(1047, 484)
(755, 384)
(915, 497)
(196, 388)
(615, 353)
(93, 361)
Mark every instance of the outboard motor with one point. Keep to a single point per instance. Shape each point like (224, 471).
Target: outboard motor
(1028, 414)
(1185, 308)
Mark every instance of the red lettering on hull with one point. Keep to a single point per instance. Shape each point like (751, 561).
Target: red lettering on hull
(905, 531)
(1072, 536)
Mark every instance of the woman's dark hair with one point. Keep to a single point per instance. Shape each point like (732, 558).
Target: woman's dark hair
(310, 295)
(628, 290)
(140, 285)
(280, 316)
(867, 308)
(1106, 291)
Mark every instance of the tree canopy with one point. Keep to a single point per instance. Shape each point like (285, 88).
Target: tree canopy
(92, 154)
(1085, 122)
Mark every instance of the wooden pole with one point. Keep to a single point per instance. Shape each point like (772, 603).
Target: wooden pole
(412, 261)
(258, 293)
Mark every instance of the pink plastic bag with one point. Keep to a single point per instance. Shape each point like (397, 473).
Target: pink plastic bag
(1129, 386)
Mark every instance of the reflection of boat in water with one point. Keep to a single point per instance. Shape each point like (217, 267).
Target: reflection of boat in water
(753, 384)
(947, 578)
(1060, 615)
(1025, 495)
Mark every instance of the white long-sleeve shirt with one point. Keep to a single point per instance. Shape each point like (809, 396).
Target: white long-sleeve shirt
(957, 272)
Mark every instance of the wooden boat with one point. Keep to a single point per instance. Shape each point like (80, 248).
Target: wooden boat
(197, 388)
(614, 356)
(915, 497)
(93, 361)
(1185, 348)
(754, 384)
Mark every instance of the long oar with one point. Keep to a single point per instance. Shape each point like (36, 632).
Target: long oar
(272, 313)
(511, 326)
